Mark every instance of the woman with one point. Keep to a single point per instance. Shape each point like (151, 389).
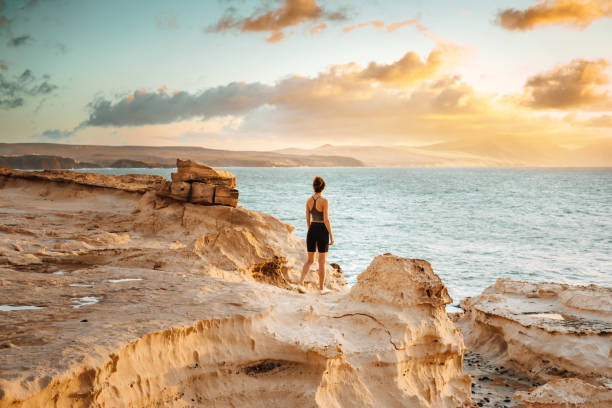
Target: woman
(319, 235)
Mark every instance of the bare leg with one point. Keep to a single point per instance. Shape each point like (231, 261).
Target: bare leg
(322, 259)
(306, 267)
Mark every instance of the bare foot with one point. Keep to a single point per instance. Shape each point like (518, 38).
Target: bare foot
(301, 289)
(325, 291)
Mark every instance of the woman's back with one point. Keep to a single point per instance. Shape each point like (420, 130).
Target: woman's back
(316, 215)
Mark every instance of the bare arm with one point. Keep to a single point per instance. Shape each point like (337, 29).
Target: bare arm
(327, 223)
(307, 215)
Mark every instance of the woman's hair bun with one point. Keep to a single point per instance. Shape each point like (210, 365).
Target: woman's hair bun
(318, 184)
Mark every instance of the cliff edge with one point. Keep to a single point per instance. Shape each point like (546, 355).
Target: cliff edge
(114, 296)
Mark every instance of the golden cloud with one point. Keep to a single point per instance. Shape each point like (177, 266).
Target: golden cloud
(394, 26)
(275, 37)
(291, 13)
(569, 86)
(318, 28)
(573, 13)
(375, 24)
(378, 24)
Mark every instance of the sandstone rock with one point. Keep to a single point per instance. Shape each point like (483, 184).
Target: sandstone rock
(202, 193)
(189, 170)
(226, 196)
(130, 182)
(180, 191)
(194, 174)
(543, 330)
(568, 392)
(401, 281)
(206, 323)
(206, 342)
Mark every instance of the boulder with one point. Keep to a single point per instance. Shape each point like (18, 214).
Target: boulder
(189, 170)
(202, 193)
(226, 196)
(180, 190)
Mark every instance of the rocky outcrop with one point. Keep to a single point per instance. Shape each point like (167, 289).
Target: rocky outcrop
(138, 183)
(546, 331)
(564, 393)
(193, 341)
(113, 298)
(201, 184)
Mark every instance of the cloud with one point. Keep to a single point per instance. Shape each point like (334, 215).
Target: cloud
(572, 13)
(14, 91)
(291, 13)
(19, 41)
(378, 24)
(375, 23)
(3, 65)
(601, 121)
(275, 37)
(569, 86)
(394, 26)
(56, 134)
(319, 28)
(409, 69)
(348, 82)
(142, 108)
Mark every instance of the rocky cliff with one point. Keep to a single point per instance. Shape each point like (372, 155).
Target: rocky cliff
(112, 296)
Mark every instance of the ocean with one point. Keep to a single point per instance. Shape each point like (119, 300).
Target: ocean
(473, 225)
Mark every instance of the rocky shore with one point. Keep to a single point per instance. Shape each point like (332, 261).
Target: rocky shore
(116, 292)
(555, 339)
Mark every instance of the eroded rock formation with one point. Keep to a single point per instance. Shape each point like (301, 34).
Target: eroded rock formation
(546, 331)
(201, 184)
(567, 392)
(143, 300)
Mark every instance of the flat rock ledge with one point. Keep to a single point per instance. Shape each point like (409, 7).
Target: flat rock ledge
(549, 332)
(193, 182)
(136, 183)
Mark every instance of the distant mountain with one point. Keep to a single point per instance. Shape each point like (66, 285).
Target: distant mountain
(117, 156)
(33, 161)
(398, 156)
(472, 152)
(38, 162)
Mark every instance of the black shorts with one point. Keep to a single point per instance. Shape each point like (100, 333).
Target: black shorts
(317, 237)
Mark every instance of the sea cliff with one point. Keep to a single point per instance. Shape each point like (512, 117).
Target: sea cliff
(116, 295)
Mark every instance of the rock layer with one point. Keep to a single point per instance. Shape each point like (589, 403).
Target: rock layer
(147, 301)
(548, 332)
(201, 184)
(564, 393)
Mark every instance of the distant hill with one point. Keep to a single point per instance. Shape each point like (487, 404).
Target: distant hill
(472, 152)
(128, 156)
(33, 161)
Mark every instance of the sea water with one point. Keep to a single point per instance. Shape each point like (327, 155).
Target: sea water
(473, 225)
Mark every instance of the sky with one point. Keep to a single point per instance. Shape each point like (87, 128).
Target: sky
(272, 74)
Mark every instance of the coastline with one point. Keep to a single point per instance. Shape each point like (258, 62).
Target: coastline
(227, 275)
